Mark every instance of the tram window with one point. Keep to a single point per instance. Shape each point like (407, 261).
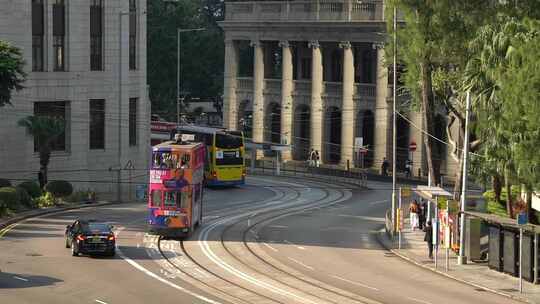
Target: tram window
(184, 161)
(185, 200)
(197, 189)
(170, 199)
(155, 198)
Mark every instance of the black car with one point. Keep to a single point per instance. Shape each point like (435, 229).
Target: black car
(90, 237)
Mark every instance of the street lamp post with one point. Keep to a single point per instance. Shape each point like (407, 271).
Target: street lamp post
(394, 131)
(178, 31)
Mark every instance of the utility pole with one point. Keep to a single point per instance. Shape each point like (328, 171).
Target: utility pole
(462, 259)
(178, 31)
(394, 131)
(119, 172)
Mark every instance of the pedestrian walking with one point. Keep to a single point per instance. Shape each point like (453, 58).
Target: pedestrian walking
(384, 167)
(423, 213)
(311, 158)
(413, 213)
(408, 168)
(428, 238)
(41, 179)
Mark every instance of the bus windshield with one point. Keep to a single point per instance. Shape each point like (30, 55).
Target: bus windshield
(229, 141)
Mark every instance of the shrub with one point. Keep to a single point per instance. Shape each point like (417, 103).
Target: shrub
(9, 198)
(81, 196)
(4, 183)
(24, 198)
(45, 200)
(59, 188)
(31, 187)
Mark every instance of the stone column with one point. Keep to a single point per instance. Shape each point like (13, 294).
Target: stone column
(347, 108)
(286, 97)
(383, 114)
(258, 98)
(230, 104)
(316, 97)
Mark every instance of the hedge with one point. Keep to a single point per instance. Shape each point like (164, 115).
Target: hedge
(59, 188)
(9, 198)
(4, 183)
(24, 198)
(32, 188)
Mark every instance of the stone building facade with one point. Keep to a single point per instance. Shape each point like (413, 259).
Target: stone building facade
(313, 74)
(86, 62)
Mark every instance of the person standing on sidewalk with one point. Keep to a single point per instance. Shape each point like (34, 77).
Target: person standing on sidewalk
(421, 215)
(413, 213)
(428, 238)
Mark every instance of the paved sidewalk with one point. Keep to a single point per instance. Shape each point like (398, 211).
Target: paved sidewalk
(414, 250)
(6, 221)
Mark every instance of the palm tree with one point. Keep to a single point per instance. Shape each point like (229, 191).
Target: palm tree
(45, 130)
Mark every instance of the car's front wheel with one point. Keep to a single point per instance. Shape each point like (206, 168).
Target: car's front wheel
(74, 249)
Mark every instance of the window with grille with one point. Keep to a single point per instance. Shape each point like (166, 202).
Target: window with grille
(132, 34)
(96, 35)
(133, 121)
(59, 35)
(56, 109)
(97, 124)
(37, 35)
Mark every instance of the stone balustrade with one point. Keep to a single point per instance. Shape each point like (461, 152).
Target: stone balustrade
(315, 10)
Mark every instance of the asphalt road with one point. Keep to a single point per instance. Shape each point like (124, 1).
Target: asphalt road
(272, 241)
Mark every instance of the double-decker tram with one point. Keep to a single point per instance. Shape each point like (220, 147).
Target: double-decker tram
(176, 187)
(225, 164)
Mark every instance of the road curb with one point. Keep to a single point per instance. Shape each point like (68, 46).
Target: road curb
(40, 212)
(384, 243)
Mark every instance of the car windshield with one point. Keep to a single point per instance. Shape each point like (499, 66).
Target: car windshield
(101, 227)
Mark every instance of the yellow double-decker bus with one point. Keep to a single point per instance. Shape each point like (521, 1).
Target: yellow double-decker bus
(225, 153)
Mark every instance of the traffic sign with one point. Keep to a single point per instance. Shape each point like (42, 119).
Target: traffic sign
(522, 218)
(412, 146)
(363, 150)
(358, 142)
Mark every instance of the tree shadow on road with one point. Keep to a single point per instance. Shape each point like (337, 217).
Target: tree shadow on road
(10, 280)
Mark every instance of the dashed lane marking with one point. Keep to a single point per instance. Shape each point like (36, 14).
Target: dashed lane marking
(272, 248)
(379, 202)
(162, 280)
(278, 226)
(367, 218)
(301, 264)
(418, 300)
(99, 301)
(20, 279)
(355, 283)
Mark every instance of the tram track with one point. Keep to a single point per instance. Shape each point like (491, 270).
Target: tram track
(313, 291)
(184, 252)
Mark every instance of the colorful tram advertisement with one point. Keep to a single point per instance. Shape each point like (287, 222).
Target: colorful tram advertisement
(176, 187)
(225, 154)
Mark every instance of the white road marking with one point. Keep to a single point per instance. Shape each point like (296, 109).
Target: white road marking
(21, 279)
(355, 283)
(379, 202)
(278, 226)
(99, 301)
(162, 280)
(418, 300)
(300, 247)
(367, 218)
(275, 250)
(302, 264)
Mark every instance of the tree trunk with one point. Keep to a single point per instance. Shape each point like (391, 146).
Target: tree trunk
(44, 157)
(427, 111)
(497, 187)
(508, 186)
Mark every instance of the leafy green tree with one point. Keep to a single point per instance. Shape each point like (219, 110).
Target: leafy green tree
(432, 46)
(12, 73)
(45, 130)
(201, 52)
(492, 48)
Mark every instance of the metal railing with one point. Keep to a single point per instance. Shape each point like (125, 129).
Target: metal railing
(316, 10)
